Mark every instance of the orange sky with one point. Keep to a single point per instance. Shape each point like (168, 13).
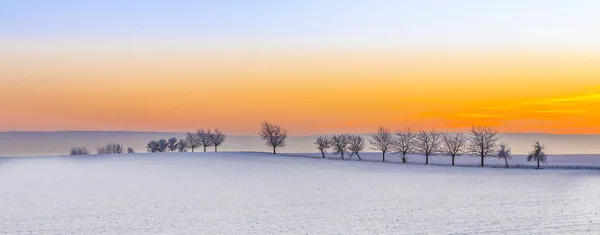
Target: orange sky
(309, 92)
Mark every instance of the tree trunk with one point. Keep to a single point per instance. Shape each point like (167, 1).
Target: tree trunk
(506, 161)
(274, 150)
(215, 148)
(538, 161)
(205, 149)
(342, 155)
(192, 149)
(403, 158)
(323, 153)
(481, 161)
(383, 156)
(358, 157)
(453, 159)
(426, 159)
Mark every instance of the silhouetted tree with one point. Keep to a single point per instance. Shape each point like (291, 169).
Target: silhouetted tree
(152, 146)
(205, 137)
(382, 140)
(323, 143)
(193, 140)
(405, 143)
(79, 151)
(453, 144)
(482, 142)
(427, 143)
(504, 152)
(130, 150)
(537, 154)
(163, 145)
(356, 144)
(273, 135)
(110, 148)
(172, 144)
(339, 144)
(217, 138)
(182, 145)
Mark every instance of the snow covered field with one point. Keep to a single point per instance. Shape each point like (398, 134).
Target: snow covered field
(256, 193)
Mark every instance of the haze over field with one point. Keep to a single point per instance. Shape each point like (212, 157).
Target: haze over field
(58, 143)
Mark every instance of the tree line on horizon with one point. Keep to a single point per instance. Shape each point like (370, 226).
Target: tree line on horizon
(482, 142)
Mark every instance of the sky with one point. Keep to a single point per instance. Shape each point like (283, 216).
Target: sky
(312, 66)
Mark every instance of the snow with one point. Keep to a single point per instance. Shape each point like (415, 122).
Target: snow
(257, 193)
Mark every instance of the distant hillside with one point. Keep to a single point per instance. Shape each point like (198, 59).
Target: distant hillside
(56, 143)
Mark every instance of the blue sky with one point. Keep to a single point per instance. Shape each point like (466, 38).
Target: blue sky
(354, 22)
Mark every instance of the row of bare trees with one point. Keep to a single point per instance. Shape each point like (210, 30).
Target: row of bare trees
(201, 138)
(110, 148)
(342, 144)
(481, 142)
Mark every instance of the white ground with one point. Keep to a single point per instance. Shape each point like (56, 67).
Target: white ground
(253, 193)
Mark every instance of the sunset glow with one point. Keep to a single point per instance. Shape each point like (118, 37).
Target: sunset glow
(98, 83)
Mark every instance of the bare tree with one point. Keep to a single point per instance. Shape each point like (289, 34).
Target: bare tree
(79, 151)
(110, 148)
(504, 152)
(162, 145)
(427, 143)
(193, 140)
(323, 143)
(182, 145)
(357, 144)
(217, 138)
(482, 142)
(152, 146)
(453, 144)
(172, 144)
(405, 142)
(339, 144)
(273, 135)
(382, 140)
(537, 154)
(205, 137)
(130, 150)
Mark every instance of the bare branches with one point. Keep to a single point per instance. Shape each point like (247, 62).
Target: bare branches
(504, 152)
(482, 142)
(130, 150)
(273, 135)
(340, 144)
(79, 151)
(537, 154)
(382, 140)
(427, 143)
(356, 144)
(110, 148)
(405, 142)
(217, 138)
(453, 144)
(172, 144)
(182, 145)
(205, 137)
(193, 140)
(323, 143)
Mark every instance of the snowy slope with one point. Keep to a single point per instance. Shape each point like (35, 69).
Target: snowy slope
(255, 193)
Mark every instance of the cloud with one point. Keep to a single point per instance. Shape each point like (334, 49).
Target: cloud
(562, 111)
(480, 115)
(593, 97)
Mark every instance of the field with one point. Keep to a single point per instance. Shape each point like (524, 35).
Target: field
(257, 193)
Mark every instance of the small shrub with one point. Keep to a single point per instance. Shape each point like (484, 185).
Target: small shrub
(79, 151)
